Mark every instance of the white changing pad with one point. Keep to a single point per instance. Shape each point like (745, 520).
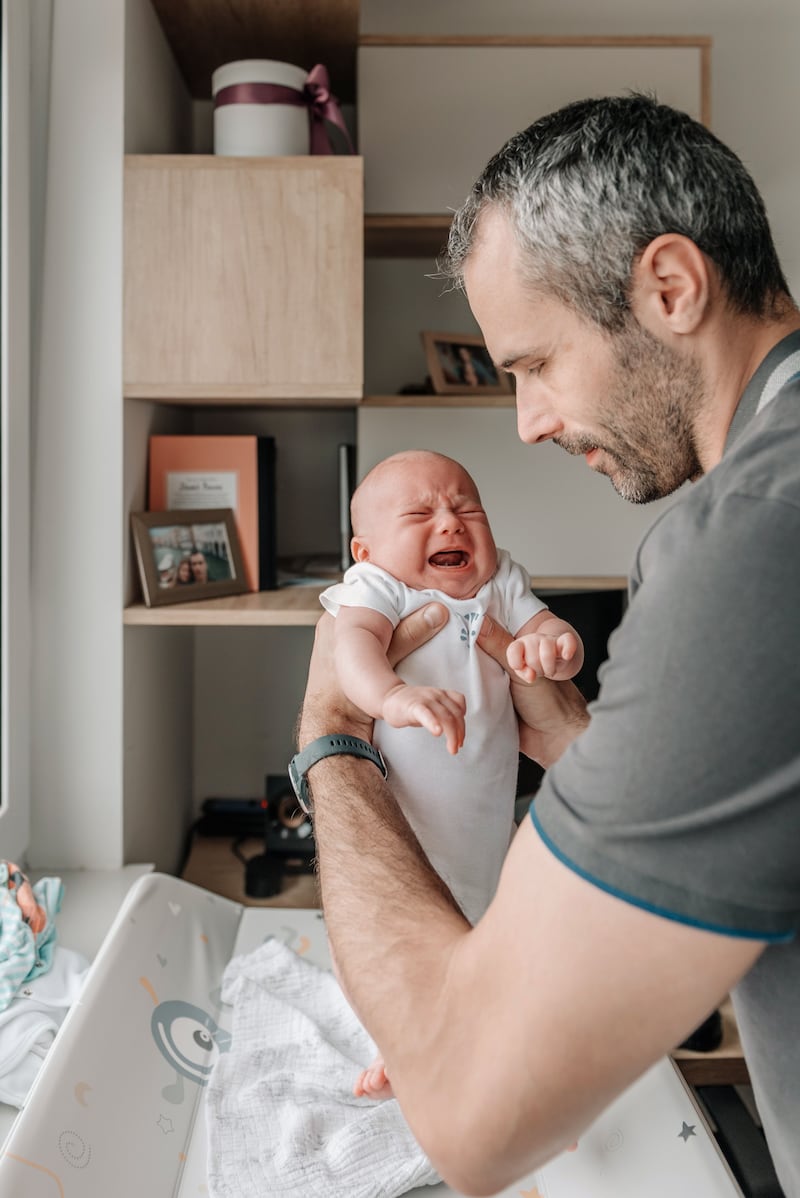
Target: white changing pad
(117, 1108)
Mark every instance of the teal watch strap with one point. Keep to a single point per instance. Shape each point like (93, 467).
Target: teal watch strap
(328, 746)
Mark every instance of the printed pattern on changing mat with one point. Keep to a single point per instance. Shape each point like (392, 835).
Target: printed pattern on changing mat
(280, 1113)
(27, 928)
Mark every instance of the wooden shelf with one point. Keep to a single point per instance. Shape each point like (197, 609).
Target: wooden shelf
(299, 606)
(234, 396)
(290, 606)
(725, 1066)
(467, 400)
(204, 34)
(403, 235)
(231, 395)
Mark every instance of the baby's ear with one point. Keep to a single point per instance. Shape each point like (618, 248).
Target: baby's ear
(359, 550)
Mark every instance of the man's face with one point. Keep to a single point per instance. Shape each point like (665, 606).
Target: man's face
(626, 401)
(199, 567)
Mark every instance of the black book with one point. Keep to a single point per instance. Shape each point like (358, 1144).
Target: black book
(267, 539)
(347, 484)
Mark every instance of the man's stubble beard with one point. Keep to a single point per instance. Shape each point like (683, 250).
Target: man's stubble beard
(647, 418)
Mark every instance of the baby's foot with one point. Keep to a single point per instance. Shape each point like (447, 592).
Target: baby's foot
(374, 1082)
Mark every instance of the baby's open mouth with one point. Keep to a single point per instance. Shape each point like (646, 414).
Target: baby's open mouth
(450, 559)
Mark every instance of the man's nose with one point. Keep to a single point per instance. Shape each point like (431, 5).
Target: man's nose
(536, 423)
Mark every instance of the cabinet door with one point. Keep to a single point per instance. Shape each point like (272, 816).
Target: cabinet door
(243, 278)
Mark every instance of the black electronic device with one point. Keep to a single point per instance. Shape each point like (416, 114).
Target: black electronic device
(239, 818)
(288, 841)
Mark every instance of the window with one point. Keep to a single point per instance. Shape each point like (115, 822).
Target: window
(14, 432)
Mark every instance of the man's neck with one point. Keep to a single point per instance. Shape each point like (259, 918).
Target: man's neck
(733, 354)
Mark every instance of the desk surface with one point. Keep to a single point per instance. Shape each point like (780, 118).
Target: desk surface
(213, 864)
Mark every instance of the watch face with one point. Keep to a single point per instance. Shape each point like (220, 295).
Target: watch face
(299, 785)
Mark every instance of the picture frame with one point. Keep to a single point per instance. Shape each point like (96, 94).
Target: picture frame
(460, 364)
(235, 471)
(169, 547)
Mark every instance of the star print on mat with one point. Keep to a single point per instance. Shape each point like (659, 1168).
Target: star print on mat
(687, 1131)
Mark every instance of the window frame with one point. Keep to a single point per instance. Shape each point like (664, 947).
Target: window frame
(15, 378)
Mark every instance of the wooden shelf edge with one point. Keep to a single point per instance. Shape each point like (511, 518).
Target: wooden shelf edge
(725, 1066)
(233, 396)
(700, 41)
(467, 400)
(299, 606)
(579, 582)
(405, 235)
(255, 162)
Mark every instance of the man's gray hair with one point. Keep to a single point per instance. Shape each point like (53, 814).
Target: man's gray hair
(588, 187)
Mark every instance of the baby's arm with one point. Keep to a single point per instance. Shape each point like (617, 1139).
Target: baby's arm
(546, 646)
(361, 639)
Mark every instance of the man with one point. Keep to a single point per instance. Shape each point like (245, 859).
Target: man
(199, 566)
(618, 260)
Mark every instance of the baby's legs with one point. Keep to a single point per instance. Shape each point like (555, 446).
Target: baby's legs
(373, 1082)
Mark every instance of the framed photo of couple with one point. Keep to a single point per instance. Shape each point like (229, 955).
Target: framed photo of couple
(459, 364)
(188, 554)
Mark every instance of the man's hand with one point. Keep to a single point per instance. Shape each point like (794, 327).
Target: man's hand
(326, 708)
(551, 714)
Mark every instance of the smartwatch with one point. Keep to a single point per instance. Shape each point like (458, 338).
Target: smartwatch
(328, 746)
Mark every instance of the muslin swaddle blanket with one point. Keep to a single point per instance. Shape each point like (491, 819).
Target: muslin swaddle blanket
(280, 1113)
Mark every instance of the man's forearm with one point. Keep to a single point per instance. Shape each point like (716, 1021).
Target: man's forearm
(391, 920)
(551, 715)
(374, 875)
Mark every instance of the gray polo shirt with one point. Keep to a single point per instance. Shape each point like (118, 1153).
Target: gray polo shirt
(683, 795)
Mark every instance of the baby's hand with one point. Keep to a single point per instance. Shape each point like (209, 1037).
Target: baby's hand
(551, 656)
(440, 711)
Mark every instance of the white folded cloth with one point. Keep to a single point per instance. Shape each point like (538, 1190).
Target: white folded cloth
(29, 1024)
(280, 1113)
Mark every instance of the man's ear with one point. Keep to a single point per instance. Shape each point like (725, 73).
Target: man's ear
(671, 285)
(359, 550)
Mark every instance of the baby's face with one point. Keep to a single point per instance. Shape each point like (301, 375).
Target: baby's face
(424, 523)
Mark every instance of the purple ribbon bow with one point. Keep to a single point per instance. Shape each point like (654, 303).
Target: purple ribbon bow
(316, 96)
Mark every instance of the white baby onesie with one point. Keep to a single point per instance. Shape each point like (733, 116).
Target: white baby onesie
(461, 807)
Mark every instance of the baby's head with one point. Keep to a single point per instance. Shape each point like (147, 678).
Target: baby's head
(418, 515)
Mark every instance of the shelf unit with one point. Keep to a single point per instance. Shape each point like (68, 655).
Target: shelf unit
(405, 236)
(394, 236)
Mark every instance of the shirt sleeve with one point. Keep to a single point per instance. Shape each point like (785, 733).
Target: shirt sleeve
(683, 795)
(518, 600)
(365, 585)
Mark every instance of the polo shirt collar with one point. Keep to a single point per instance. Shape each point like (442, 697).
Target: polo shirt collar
(780, 365)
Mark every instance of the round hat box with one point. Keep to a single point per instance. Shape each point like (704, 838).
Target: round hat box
(259, 129)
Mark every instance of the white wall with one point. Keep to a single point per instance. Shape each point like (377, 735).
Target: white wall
(76, 769)
(158, 663)
(81, 487)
